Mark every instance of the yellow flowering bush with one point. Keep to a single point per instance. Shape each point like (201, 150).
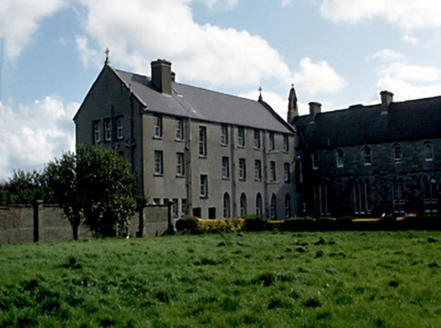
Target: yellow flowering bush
(221, 225)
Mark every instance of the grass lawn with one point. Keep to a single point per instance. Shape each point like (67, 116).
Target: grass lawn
(332, 279)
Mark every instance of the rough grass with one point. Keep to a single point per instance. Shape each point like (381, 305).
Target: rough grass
(335, 279)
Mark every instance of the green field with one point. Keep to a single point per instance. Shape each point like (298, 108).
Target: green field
(332, 279)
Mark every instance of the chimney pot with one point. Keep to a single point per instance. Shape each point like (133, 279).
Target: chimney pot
(386, 97)
(314, 109)
(162, 75)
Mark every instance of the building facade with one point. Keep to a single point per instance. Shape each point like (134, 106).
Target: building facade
(369, 160)
(213, 155)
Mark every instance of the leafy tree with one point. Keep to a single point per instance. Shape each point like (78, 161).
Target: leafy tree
(94, 186)
(23, 188)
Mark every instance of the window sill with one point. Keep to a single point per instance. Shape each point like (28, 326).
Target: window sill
(225, 178)
(159, 175)
(203, 156)
(180, 176)
(179, 140)
(157, 138)
(224, 145)
(242, 179)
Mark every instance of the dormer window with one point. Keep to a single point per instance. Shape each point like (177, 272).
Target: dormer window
(367, 156)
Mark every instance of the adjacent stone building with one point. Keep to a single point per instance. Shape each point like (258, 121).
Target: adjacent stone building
(213, 155)
(369, 160)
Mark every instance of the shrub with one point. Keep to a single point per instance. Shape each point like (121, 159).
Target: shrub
(254, 223)
(188, 224)
(221, 225)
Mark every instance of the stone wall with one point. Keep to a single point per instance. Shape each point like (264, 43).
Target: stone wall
(47, 223)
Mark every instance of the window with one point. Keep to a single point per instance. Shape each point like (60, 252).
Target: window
(180, 164)
(183, 206)
(212, 212)
(314, 160)
(96, 132)
(397, 153)
(256, 139)
(225, 167)
(287, 206)
(158, 163)
(398, 196)
(241, 137)
(119, 128)
(362, 197)
(257, 170)
(259, 208)
(367, 155)
(224, 135)
(179, 129)
(273, 176)
(242, 169)
(299, 169)
(428, 151)
(107, 129)
(285, 143)
(272, 144)
(430, 195)
(157, 126)
(202, 141)
(273, 208)
(204, 186)
(286, 172)
(340, 157)
(321, 199)
(243, 204)
(175, 207)
(227, 212)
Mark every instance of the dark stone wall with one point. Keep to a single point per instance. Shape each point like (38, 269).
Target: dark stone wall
(378, 176)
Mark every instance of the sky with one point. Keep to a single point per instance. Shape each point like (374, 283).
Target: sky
(336, 52)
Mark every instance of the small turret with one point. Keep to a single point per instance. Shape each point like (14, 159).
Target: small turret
(293, 110)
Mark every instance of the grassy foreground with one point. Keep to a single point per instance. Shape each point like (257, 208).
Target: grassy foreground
(334, 279)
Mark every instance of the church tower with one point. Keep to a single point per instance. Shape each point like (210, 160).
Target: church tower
(293, 110)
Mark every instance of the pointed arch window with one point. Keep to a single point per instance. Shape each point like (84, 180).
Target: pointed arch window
(430, 195)
(243, 204)
(367, 155)
(259, 208)
(227, 212)
(428, 151)
(362, 198)
(398, 196)
(321, 199)
(397, 153)
(273, 213)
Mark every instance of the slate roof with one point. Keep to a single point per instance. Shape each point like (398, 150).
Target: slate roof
(205, 105)
(358, 125)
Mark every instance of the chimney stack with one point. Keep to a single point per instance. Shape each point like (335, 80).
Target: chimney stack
(162, 75)
(386, 97)
(314, 109)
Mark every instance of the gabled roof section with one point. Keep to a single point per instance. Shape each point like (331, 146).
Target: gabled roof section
(358, 125)
(205, 105)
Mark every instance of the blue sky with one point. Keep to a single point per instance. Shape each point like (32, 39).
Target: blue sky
(336, 52)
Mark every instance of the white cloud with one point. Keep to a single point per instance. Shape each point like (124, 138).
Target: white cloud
(410, 39)
(32, 135)
(139, 31)
(286, 3)
(409, 14)
(19, 19)
(386, 55)
(410, 81)
(314, 78)
(220, 4)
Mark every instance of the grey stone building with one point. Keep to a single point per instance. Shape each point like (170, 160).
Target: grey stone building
(213, 155)
(368, 160)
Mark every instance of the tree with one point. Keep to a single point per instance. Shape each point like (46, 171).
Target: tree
(93, 186)
(23, 188)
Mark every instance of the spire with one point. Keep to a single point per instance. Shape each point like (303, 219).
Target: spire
(293, 110)
(260, 94)
(107, 56)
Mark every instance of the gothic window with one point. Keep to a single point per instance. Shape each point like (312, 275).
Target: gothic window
(287, 206)
(321, 199)
(428, 150)
(398, 196)
(243, 204)
(273, 208)
(340, 157)
(227, 212)
(397, 153)
(430, 195)
(362, 198)
(259, 207)
(367, 155)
